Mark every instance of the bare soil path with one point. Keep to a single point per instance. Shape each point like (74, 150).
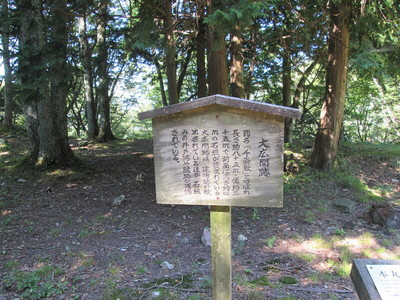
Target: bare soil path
(65, 221)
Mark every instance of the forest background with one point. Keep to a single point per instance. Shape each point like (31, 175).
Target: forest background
(84, 68)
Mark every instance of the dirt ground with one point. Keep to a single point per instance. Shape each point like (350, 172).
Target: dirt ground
(66, 219)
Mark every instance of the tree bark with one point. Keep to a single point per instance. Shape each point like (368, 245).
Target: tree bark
(328, 134)
(253, 53)
(201, 78)
(8, 93)
(61, 153)
(30, 68)
(105, 133)
(45, 91)
(170, 54)
(286, 90)
(236, 67)
(217, 65)
(160, 82)
(87, 66)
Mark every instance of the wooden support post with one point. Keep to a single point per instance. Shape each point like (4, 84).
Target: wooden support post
(220, 223)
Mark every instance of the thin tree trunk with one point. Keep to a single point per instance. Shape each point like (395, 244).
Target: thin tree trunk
(183, 70)
(86, 57)
(252, 51)
(170, 54)
(201, 78)
(328, 134)
(286, 90)
(8, 94)
(105, 133)
(217, 65)
(236, 67)
(161, 82)
(290, 123)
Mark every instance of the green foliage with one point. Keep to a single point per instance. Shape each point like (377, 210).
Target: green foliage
(309, 217)
(113, 292)
(40, 283)
(270, 241)
(238, 13)
(263, 281)
(288, 280)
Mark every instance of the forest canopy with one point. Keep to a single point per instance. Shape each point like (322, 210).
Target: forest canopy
(85, 68)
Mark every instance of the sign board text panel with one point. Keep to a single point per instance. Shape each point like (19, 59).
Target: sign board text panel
(219, 156)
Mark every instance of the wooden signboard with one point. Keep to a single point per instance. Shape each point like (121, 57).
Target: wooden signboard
(219, 151)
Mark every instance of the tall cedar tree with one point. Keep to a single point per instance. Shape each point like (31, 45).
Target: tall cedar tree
(87, 66)
(5, 40)
(201, 73)
(105, 133)
(217, 66)
(170, 53)
(331, 119)
(44, 80)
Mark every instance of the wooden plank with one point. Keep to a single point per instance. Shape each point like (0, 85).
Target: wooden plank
(362, 280)
(222, 100)
(220, 223)
(203, 157)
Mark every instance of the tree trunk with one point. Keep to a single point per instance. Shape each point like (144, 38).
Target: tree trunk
(105, 133)
(217, 66)
(31, 68)
(200, 52)
(160, 82)
(45, 92)
(286, 90)
(290, 123)
(86, 57)
(60, 152)
(328, 134)
(253, 53)
(236, 67)
(8, 94)
(183, 70)
(170, 54)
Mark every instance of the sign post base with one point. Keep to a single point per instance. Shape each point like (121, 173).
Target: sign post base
(220, 223)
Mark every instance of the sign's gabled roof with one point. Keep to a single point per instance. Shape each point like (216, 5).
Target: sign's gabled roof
(224, 101)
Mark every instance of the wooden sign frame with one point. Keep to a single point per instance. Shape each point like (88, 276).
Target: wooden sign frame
(219, 151)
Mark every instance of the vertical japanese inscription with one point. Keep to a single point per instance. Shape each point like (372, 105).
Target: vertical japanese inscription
(219, 162)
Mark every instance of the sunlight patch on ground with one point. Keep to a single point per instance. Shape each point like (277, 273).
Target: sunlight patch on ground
(336, 253)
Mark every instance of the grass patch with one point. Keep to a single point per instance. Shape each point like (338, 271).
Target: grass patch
(288, 280)
(307, 257)
(309, 217)
(319, 242)
(114, 292)
(270, 242)
(185, 282)
(263, 281)
(43, 282)
(321, 277)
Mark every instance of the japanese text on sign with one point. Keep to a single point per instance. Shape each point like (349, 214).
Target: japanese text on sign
(218, 162)
(386, 279)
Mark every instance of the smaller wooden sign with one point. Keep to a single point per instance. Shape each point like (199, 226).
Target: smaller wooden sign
(376, 279)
